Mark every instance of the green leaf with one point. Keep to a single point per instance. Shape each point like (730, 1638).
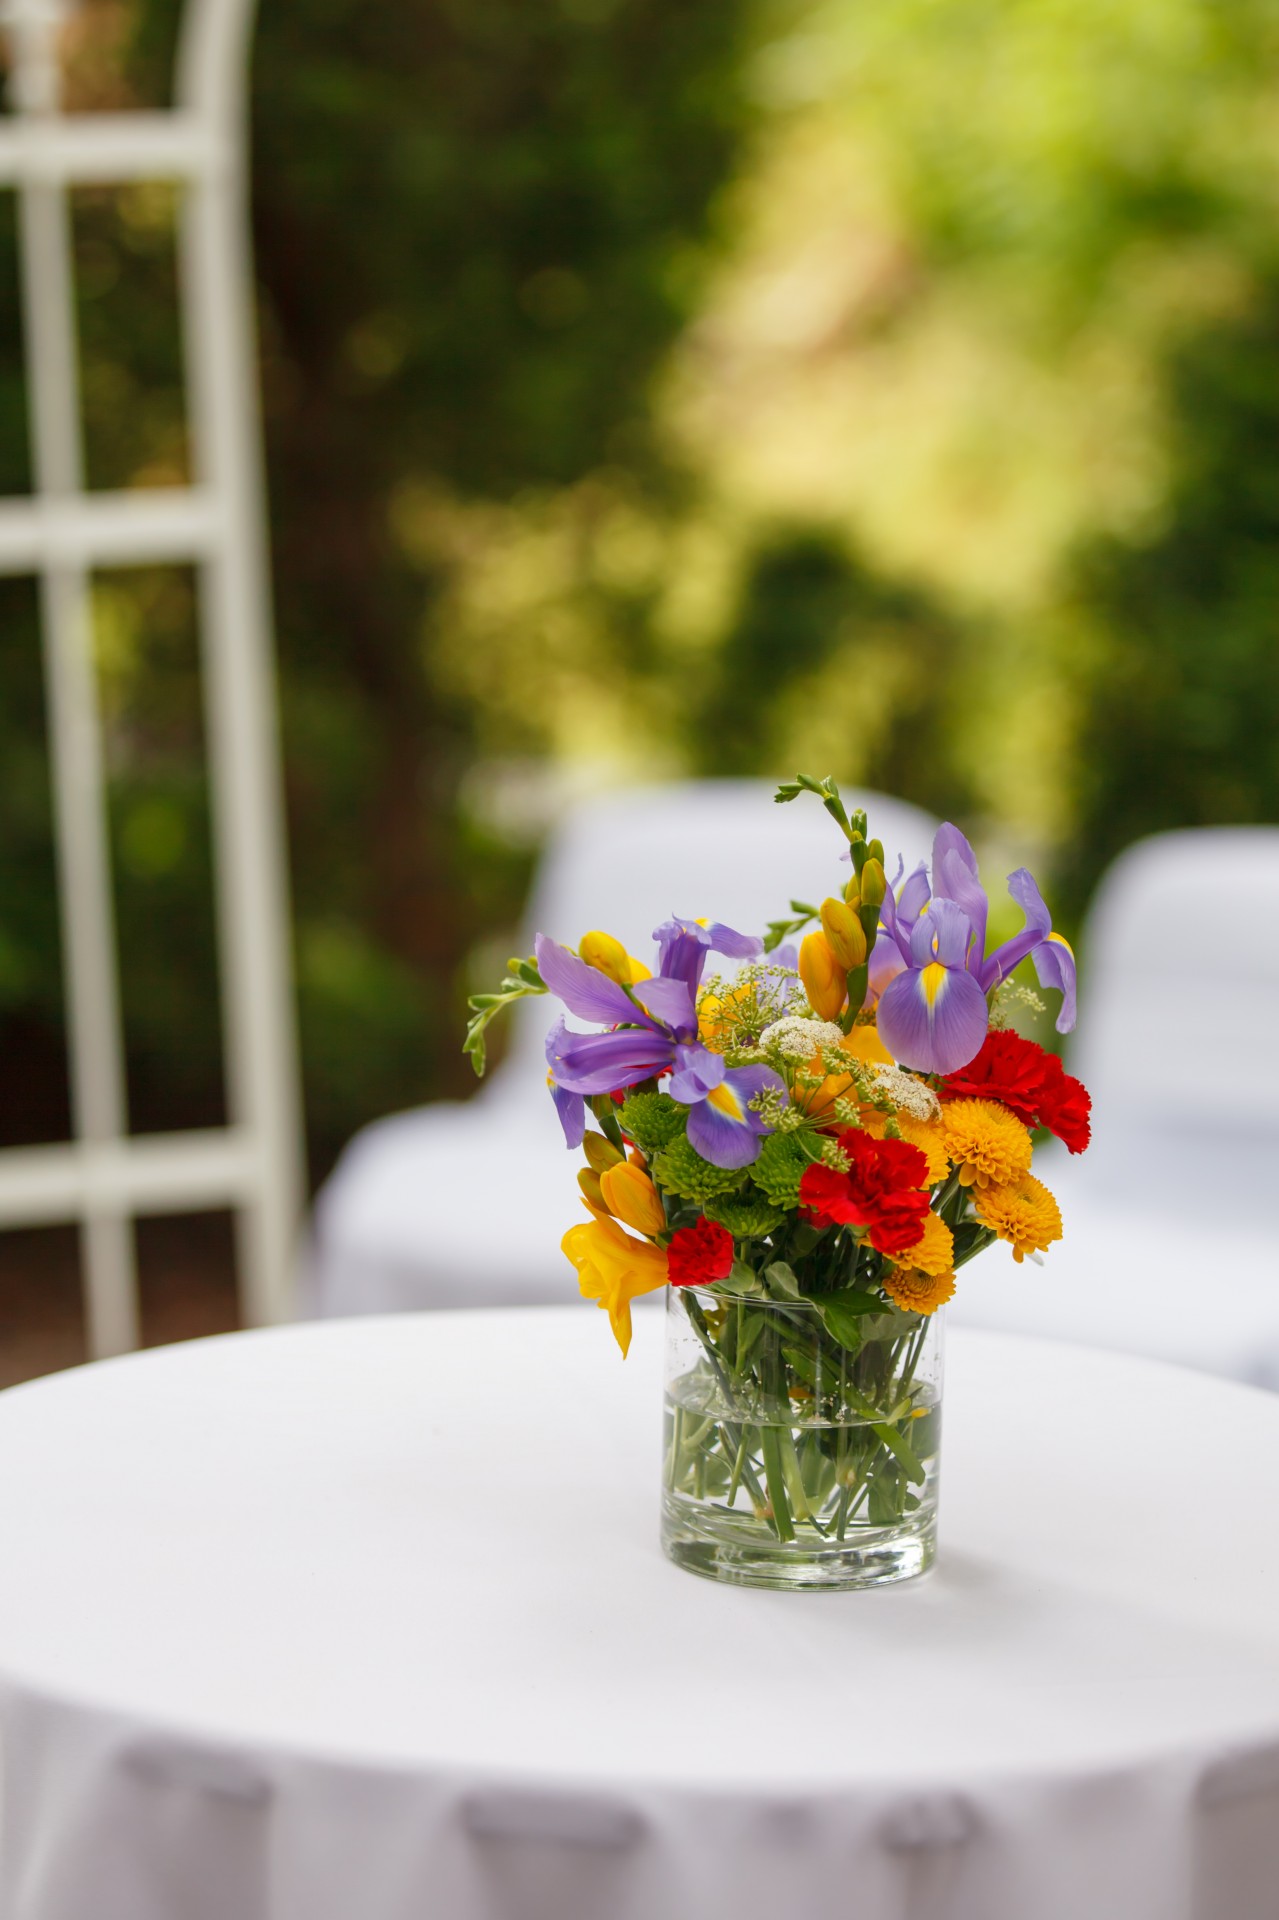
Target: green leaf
(782, 1282)
(890, 1323)
(779, 930)
(801, 1362)
(749, 1333)
(885, 1503)
(485, 1007)
(852, 1298)
(846, 1315)
(904, 1451)
(741, 1279)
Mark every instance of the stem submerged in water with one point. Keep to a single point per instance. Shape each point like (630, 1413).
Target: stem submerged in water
(816, 1435)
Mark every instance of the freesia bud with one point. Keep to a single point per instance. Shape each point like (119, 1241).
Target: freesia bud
(606, 955)
(630, 1194)
(609, 956)
(601, 1153)
(874, 884)
(589, 1182)
(844, 932)
(823, 977)
(853, 893)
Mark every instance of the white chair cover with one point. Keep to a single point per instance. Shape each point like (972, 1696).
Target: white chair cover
(1171, 1244)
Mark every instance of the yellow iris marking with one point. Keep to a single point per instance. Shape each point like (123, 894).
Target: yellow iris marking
(724, 1100)
(1062, 941)
(934, 982)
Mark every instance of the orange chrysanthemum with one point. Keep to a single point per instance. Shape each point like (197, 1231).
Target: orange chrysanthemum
(1022, 1212)
(927, 1135)
(986, 1142)
(918, 1292)
(935, 1253)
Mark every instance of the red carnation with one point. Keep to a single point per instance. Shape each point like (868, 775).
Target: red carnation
(1064, 1108)
(882, 1191)
(1030, 1082)
(699, 1255)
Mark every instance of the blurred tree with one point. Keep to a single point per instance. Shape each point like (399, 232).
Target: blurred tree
(926, 420)
(1180, 713)
(478, 226)
(825, 662)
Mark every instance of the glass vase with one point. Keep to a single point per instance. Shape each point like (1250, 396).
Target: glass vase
(793, 1458)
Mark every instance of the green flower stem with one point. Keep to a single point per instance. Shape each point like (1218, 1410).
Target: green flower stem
(736, 1476)
(775, 1475)
(913, 1360)
(672, 1459)
(736, 1437)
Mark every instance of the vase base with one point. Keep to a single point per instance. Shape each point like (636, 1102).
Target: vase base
(716, 1549)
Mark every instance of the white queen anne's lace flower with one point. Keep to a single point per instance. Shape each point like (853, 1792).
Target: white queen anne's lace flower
(796, 1038)
(907, 1094)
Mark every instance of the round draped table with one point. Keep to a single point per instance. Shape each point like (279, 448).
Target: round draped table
(368, 1621)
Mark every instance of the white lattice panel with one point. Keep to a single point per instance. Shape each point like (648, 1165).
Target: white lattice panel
(104, 1176)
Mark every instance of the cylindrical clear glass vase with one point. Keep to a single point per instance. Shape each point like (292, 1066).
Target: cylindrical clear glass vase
(794, 1458)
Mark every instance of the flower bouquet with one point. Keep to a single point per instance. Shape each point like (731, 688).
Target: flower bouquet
(805, 1152)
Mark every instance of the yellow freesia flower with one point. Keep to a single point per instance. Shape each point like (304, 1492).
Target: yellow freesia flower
(844, 933)
(630, 1194)
(609, 956)
(823, 977)
(613, 1270)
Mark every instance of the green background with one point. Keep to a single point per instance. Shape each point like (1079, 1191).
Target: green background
(653, 387)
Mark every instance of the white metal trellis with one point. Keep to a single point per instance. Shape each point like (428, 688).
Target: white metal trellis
(105, 1177)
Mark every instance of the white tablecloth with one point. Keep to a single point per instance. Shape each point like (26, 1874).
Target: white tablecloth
(368, 1621)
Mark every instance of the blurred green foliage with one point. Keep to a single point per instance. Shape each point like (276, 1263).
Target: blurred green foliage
(652, 388)
(1182, 709)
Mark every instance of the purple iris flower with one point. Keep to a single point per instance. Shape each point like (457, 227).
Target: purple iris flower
(930, 967)
(653, 1030)
(721, 1125)
(684, 946)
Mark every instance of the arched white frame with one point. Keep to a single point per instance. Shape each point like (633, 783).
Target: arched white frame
(105, 1177)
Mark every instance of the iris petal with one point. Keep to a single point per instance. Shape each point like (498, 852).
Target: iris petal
(571, 1108)
(671, 1002)
(944, 933)
(1055, 967)
(601, 1062)
(585, 991)
(725, 1138)
(933, 1018)
(955, 878)
(999, 964)
(684, 946)
(698, 1072)
(886, 962)
(719, 1139)
(733, 945)
(914, 896)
